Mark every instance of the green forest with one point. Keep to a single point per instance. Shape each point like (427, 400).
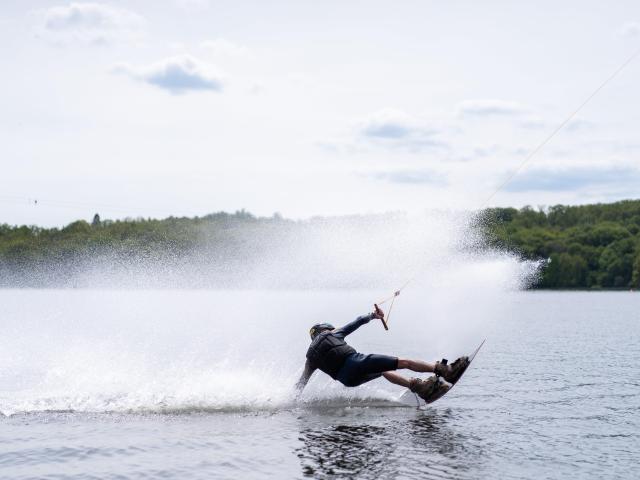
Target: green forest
(585, 247)
(588, 246)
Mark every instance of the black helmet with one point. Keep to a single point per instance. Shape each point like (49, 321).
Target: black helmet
(319, 327)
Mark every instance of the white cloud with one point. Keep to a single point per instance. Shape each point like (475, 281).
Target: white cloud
(522, 116)
(90, 23)
(532, 122)
(575, 179)
(491, 107)
(389, 123)
(630, 30)
(412, 176)
(224, 48)
(179, 74)
(580, 124)
(397, 129)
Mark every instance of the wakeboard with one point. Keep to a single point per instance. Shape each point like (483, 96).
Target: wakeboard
(412, 400)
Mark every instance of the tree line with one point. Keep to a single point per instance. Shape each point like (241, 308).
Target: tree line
(587, 246)
(584, 247)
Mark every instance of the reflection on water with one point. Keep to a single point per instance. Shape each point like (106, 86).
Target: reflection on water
(344, 450)
(408, 445)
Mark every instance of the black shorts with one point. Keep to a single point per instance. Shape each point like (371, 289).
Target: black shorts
(359, 368)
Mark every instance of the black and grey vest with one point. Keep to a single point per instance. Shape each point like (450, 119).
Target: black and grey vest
(328, 353)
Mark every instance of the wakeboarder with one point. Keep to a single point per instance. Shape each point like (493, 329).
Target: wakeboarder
(330, 353)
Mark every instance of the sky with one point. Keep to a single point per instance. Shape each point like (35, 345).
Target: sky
(186, 107)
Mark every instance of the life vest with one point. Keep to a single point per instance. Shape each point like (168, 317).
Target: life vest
(328, 353)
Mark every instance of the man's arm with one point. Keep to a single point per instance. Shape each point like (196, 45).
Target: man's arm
(353, 326)
(358, 322)
(304, 378)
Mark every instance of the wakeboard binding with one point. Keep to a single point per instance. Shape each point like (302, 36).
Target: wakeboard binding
(430, 389)
(451, 373)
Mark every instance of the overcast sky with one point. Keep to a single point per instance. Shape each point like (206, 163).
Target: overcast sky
(185, 107)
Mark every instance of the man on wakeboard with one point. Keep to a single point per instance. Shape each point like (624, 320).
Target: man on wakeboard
(330, 353)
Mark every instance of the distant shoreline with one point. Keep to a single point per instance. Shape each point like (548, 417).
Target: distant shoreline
(583, 248)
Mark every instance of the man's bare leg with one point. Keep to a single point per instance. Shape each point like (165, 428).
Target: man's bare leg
(396, 378)
(416, 365)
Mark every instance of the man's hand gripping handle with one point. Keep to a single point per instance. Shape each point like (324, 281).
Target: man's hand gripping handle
(378, 313)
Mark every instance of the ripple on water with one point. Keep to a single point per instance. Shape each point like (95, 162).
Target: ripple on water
(550, 396)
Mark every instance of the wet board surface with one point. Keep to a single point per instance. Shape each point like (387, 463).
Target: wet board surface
(412, 400)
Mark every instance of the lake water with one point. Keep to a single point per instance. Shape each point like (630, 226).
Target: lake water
(197, 384)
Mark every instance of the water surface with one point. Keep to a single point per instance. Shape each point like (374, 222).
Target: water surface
(190, 384)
